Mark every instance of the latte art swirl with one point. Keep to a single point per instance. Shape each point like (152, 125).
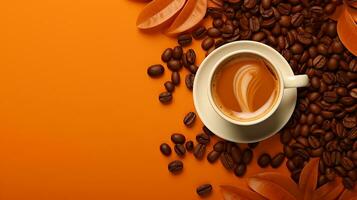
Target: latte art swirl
(246, 88)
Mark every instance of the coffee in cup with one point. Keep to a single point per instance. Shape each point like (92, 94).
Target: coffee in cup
(245, 87)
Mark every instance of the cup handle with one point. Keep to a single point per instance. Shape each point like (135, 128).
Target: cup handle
(296, 81)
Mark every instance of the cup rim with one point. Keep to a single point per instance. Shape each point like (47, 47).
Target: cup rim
(252, 122)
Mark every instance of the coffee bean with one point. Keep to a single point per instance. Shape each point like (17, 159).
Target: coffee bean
(213, 32)
(178, 138)
(330, 8)
(247, 156)
(199, 151)
(189, 79)
(207, 43)
(175, 166)
(306, 39)
(174, 65)
(285, 137)
(175, 78)
(288, 151)
(314, 108)
(259, 36)
(319, 62)
(240, 170)
(165, 97)
(189, 145)
(180, 149)
(348, 183)
(191, 56)
(166, 55)
(264, 160)
(353, 93)
(165, 149)
(326, 157)
(254, 24)
(322, 49)
(227, 160)
(277, 160)
(315, 82)
(213, 156)
(352, 174)
(236, 154)
(203, 138)
(155, 70)
(297, 19)
(349, 121)
(329, 78)
(189, 119)
(184, 39)
(170, 87)
(266, 4)
(177, 52)
(337, 47)
(290, 165)
(347, 163)
(330, 97)
(332, 64)
(199, 33)
(204, 190)
(217, 23)
(219, 146)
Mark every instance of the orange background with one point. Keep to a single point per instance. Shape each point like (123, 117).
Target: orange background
(79, 117)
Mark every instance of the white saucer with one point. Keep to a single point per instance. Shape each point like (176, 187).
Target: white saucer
(225, 129)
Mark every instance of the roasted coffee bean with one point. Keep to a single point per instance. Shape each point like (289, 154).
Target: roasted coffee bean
(189, 145)
(189, 79)
(155, 70)
(165, 97)
(207, 43)
(236, 154)
(219, 146)
(180, 149)
(189, 119)
(264, 160)
(199, 33)
(277, 160)
(314, 142)
(315, 83)
(314, 108)
(288, 151)
(170, 87)
(348, 183)
(349, 121)
(285, 137)
(177, 52)
(178, 138)
(319, 62)
(254, 24)
(191, 56)
(322, 180)
(174, 65)
(285, 21)
(326, 157)
(203, 138)
(207, 131)
(184, 39)
(290, 165)
(175, 78)
(297, 48)
(347, 163)
(165, 149)
(297, 19)
(352, 174)
(332, 64)
(330, 97)
(227, 160)
(213, 156)
(322, 49)
(204, 190)
(259, 36)
(167, 55)
(295, 175)
(213, 32)
(218, 23)
(266, 4)
(329, 78)
(330, 8)
(199, 151)
(247, 156)
(240, 170)
(175, 166)
(353, 93)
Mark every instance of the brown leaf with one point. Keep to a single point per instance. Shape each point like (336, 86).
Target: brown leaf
(329, 191)
(347, 30)
(349, 195)
(285, 182)
(269, 189)
(236, 193)
(192, 14)
(158, 13)
(308, 179)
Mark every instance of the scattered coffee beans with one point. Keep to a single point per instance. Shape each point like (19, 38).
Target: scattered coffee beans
(264, 160)
(189, 145)
(155, 70)
(165, 149)
(178, 138)
(189, 119)
(175, 166)
(204, 190)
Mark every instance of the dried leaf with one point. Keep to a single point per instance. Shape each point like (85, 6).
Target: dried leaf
(236, 193)
(347, 31)
(285, 182)
(158, 12)
(269, 189)
(349, 195)
(329, 191)
(308, 179)
(192, 14)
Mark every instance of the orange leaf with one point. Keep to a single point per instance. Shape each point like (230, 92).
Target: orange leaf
(192, 14)
(269, 189)
(236, 193)
(349, 195)
(308, 179)
(329, 191)
(285, 182)
(158, 12)
(347, 31)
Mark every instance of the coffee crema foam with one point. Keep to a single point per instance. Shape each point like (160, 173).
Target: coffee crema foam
(245, 87)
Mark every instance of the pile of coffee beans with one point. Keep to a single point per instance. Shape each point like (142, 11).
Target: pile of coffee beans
(324, 122)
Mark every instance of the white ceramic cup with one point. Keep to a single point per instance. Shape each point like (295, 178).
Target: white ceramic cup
(284, 82)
